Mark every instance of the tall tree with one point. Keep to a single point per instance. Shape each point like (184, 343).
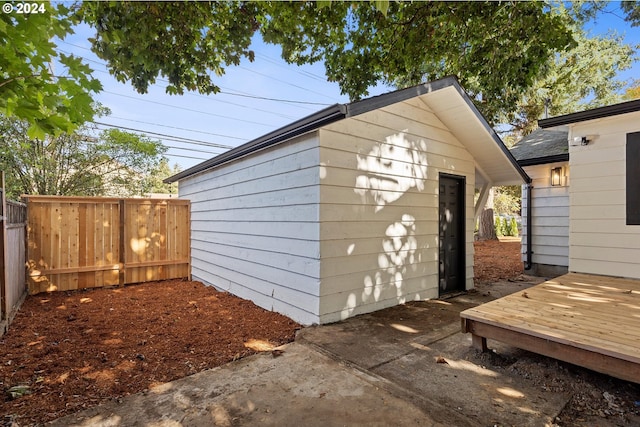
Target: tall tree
(79, 164)
(154, 181)
(496, 49)
(579, 78)
(632, 9)
(30, 89)
(633, 91)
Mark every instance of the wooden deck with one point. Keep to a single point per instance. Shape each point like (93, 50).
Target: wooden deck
(590, 321)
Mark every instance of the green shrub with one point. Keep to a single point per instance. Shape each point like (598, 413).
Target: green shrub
(514, 227)
(498, 226)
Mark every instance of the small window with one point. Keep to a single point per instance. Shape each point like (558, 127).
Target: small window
(633, 178)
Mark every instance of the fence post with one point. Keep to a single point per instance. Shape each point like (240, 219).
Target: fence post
(4, 302)
(121, 277)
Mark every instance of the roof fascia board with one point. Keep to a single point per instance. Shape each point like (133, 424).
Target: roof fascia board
(596, 113)
(340, 111)
(492, 133)
(544, 160)
(381, 101)
(314, 121)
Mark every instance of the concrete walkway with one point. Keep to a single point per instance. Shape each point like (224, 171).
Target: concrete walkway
(404, 366)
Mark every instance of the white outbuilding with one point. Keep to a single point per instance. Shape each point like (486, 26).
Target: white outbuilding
(358, 207)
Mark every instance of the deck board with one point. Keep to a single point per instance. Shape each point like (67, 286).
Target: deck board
(591, 321)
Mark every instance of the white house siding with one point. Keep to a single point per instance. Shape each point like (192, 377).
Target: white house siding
(600, 241)
(255, 231)
(379, 237)
(550, 220)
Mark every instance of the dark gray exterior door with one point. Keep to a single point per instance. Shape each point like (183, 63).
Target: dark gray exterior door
(452, 241)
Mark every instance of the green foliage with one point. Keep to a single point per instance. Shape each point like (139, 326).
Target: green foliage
(29, 88)
(78, 164)
(633, 91)
(154, 181)
(513, 229)
(498, 226)
(181, 41)
(632, 9)
(497, 49)
(506, 200)
(506, 226)
(577, 79)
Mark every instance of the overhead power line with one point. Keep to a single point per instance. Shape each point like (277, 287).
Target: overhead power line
(232, 92)
(187, 157)
(178, 128)
(170, 137)
(284, 82)
(189, 109)
(305, 73)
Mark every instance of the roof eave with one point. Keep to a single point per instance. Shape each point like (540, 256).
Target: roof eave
(596, 113)
(299, 127)
(544, 160)
(493, 134)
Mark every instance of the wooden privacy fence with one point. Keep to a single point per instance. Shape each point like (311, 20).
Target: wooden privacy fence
(13, 222)
(78, 242)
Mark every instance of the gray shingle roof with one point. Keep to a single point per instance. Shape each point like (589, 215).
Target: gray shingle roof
(542, 146)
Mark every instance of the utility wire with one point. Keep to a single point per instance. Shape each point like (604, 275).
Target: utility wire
(283, 81)
(181, 139)
(187, 157)
(189, 109)
(176, 127)
(305, 73)
(234, 92)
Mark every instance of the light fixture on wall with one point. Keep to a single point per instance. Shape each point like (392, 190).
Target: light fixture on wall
(582, 140)
(556, 176)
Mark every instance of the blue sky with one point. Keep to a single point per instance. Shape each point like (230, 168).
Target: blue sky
(241, 112)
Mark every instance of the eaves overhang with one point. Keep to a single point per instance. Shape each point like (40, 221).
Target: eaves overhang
(299, 127)
(544, 160)
(596, 113)
(341, 111)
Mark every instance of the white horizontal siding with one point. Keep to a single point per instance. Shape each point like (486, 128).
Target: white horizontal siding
(601, 242)
(335, 231)
(379, 208)
(233, 282)
(255, 230)
(550, 216)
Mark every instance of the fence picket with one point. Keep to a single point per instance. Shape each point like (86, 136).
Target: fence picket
(77, 243)
(13, 218)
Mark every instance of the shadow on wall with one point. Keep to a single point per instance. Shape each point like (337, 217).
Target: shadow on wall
(385, 174)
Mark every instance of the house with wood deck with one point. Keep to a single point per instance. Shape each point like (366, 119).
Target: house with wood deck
(353, 209)
(574, 224)
(590, 316)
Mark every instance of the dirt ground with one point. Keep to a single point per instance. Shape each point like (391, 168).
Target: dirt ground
(77, 349)
(67, 351)
(496, 260)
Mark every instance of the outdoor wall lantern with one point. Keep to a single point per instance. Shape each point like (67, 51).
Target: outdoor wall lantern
(556, 176)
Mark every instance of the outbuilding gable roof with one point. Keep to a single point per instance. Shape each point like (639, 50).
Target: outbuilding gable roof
(451, 114)
(541, 147)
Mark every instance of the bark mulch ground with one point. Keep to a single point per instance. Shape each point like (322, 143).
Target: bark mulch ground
(67, 351)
